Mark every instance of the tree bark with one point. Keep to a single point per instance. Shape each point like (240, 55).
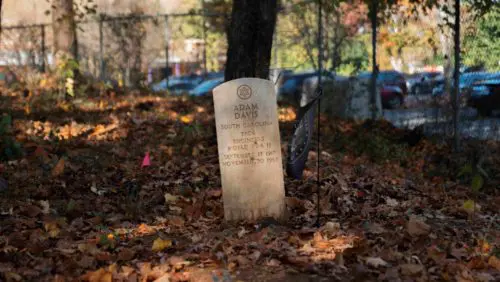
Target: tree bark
(64, 26)
(250, 38)
(456, 78)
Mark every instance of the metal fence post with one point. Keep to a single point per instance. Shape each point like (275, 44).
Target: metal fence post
(167, 41)
(374, 60)
(101, 48)
(42, 30)
(204, 30)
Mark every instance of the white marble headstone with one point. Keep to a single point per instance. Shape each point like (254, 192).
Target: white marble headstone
(249, 149)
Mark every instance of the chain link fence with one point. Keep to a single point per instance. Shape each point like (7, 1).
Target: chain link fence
(414, 59)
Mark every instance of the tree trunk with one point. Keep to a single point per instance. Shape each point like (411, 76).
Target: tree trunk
(0, 16)
(250, 38)
(64, 28)
(456, 78)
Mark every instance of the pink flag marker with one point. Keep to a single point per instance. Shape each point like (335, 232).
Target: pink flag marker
(146, 161)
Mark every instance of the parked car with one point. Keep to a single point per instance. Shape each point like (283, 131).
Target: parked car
(465, 82)
(388, 78)
(206, 87)
(422, 83)
(485, 95)
(392, 88)
(392, 97)
(292, 84)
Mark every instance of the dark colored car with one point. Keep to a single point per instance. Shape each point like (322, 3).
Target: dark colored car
(388, 78)
(423, 83)
(466, 81)
(206, 87)
(291, 87)
(485, 95)
(392, 87)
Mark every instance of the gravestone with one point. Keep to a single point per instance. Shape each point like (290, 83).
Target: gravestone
(249, 147)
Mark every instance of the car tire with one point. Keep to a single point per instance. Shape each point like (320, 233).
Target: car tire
(485, 112)
(395, 102)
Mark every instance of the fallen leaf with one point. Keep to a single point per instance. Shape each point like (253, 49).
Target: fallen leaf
(31, 211)
(273, 263)
(242, 232)
(376, 262)
(391, 202)
(169, 198)
(417, 227)
(12, 276)
(159, 244)
(458, 253)
(45, 206)
(331, 227)
(100, 275)
(411, 269)
(103, 256)
(494, 262)
(242, 261)
(214, 193)
(126, 254)
(58, 168)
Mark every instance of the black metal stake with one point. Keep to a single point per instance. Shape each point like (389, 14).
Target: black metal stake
(167, 43)
(42, 27)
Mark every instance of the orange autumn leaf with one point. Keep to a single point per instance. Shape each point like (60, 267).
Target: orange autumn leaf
(58, 168)
(494, 262)
(100, 275)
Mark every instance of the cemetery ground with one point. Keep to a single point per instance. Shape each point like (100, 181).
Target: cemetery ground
(127, 188)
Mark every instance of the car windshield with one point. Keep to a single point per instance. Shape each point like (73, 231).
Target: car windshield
(207, 85)
(382, 76)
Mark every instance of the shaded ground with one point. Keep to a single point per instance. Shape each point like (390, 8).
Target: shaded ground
(79, 206)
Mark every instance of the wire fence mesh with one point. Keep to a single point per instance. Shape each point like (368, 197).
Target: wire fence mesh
(414, 59)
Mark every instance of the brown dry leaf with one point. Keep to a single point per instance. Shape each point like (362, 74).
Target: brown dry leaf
(477, 263)
(273, 263)
(417, 227)
(31, 211)
(242, 261)
(494, 262)
(12, 276)
(103, 256)
(214, 193)
(411, 269)
(58, 168)
(376, 262)
(176, 221)
(126, 254)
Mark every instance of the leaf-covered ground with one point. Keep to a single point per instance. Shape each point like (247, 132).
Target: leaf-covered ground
(80, 206)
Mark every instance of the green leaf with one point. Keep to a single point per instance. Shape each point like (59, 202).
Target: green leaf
(469, 206)
(465, 170)
(477, 182)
